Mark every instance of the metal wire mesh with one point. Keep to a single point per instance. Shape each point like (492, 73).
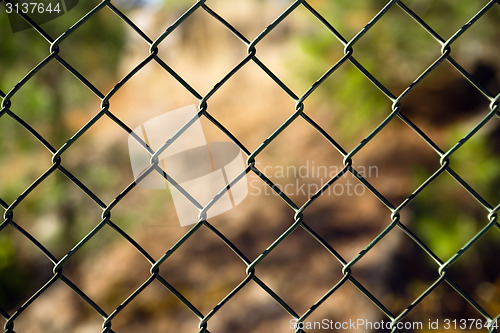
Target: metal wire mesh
(8, 109)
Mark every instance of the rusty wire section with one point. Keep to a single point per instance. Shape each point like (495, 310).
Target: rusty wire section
(8, 109)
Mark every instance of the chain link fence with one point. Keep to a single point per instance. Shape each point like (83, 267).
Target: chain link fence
(489, 221)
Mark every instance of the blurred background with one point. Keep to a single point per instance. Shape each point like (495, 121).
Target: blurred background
(444, 216)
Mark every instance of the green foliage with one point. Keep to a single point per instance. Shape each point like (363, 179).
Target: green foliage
(52, 91)
(394, 55)
(441, 225)
(477, 163)
(396, 51)
(96, 47)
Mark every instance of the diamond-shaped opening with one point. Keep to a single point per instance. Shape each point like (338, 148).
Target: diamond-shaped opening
(204, 270)
(202, 51)
(251, 105)
(149, 215)
(22, 159)
(21, 52)
(23, 268)
(478, 159)
(457, 13)
(477, 50)
(55, 104)
(346, 117)
(58, 309)
(299, 177)
(396, 271)
(155, 309)
(300, 39)
(396, 161)
(445, 310)
(348, 216)
(300, 277)
(342, 312)
(258, 221)
(58, 214)
(250, 18)
(391, 56)
(445, 216)
(101, 42)
(108, 269)
(162, 94)
(443, 100)
(252, 309)
(476, 273)
(97, 159)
